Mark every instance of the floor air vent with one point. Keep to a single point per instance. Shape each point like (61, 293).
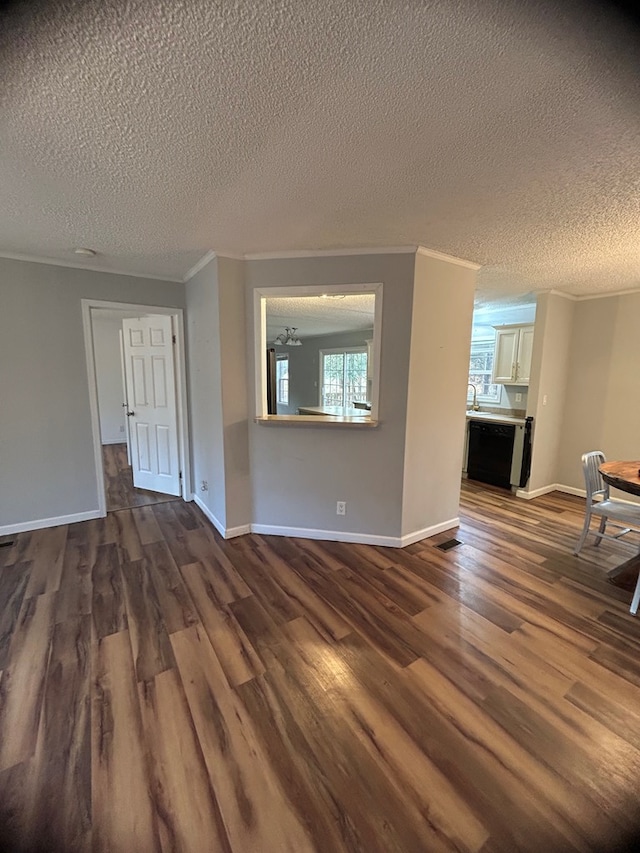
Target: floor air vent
(450, 543)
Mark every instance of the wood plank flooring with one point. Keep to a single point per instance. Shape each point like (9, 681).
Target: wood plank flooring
(118, 481)
(162, 689)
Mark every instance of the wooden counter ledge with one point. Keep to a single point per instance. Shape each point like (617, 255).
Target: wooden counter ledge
(315, 420)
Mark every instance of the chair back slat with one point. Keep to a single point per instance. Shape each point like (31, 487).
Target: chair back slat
(595, 485)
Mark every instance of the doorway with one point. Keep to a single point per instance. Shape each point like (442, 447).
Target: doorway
(124, 446)
(120, 491)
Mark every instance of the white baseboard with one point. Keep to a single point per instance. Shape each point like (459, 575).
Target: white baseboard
(225, 532)
(426, 532)
(358, 538)
(523, 493)
(121, 440)
(567, 490)
(571, 490)
(241, 530)
(552, 487)
(331, 535)
(39, 523)
(581, 493)
(205, 509)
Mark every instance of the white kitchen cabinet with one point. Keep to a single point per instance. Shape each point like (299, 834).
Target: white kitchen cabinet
(512, 358)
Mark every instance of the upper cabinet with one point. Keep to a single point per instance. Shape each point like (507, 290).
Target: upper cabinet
(512, 360)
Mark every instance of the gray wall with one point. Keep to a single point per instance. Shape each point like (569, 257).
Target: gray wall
(106, 350)
(298, 473)
(205, 388)
(602, 409)
(548, 386)
(46, 449)
(235, 392)
(438, 376)
(304, 366)
(218, 390)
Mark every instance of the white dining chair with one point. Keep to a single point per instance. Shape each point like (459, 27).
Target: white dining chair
(619, 514)
(636, 597)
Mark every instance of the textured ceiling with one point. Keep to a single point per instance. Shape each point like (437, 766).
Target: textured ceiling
(155, 130)
(317, 315)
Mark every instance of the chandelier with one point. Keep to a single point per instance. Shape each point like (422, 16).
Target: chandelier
(288, 338)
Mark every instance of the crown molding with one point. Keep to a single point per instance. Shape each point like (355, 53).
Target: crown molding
(586, 297)
(195, 269)
(256, 256)
(230, 256)
(206, 258)
(450, 259)
(56, 262)
(611, 293)
(327, 253)
(554, 292)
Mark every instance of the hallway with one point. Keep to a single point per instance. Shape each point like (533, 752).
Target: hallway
(118, 481)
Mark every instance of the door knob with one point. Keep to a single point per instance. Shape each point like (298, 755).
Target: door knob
(129, 414)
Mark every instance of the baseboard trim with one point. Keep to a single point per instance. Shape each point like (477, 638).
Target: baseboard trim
(557, 487)
(122, 440)
(581, 493)
(205, 509)
(225, 532)
(571, 490)
(356, 538)
(426, 532)
(536, 493)
(241, 530)
(39, 523)
(330, 535)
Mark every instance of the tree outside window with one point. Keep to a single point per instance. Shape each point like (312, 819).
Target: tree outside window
(480, 371)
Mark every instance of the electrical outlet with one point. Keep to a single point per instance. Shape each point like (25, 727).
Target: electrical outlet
(122, 428)
(341, 508)
(204, 487)
(518, 398)
(544, 400)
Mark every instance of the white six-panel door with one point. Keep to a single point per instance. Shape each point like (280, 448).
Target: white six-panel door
(151, 397)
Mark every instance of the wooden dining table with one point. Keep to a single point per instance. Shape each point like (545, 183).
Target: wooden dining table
(624, 476)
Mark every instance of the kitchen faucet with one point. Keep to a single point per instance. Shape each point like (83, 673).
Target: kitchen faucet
(475, 407)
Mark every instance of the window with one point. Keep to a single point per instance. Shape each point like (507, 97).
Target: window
(343, 376)
(480, 369)
(282, 379)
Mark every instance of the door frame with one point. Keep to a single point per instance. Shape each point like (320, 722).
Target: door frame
(177, 315)
(127, 425)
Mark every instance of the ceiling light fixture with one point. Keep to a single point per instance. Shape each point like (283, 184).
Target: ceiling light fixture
(87, 253)
(288, 338)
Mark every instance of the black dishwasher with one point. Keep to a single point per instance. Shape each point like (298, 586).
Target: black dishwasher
(490, 453)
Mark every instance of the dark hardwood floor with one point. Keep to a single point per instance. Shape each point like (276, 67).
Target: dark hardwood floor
(164, 690)
(118, 481)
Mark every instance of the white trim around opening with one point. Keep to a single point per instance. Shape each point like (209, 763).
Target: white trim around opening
(88, 307)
